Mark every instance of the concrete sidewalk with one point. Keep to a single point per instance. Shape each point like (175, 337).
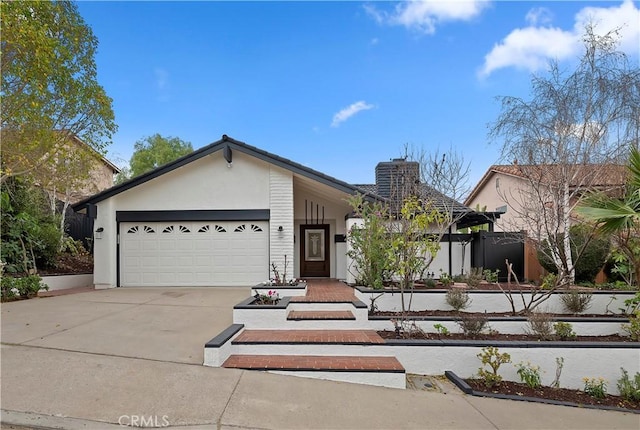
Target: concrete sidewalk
(133, 356)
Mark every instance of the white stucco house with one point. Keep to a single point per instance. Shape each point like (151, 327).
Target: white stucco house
(221, 216)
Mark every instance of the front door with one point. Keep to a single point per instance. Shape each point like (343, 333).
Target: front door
(314, 251)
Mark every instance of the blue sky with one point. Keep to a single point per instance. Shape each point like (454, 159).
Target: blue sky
(336, 86)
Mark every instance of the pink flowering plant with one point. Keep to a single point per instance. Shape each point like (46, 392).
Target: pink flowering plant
(272, 297)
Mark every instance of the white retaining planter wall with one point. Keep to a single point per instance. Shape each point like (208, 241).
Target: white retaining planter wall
(488, 301)
(274, 317)
(510, 326)
(434, 357)
(580, 360)
(65, 282)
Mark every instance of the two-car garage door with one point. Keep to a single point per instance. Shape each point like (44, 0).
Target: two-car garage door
(203, 253)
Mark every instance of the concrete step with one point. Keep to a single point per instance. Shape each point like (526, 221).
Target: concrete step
(320, 315)
(371, 370)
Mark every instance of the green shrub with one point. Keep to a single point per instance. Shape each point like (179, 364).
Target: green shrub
(529, 374)
(564, 330)
(491, 357)
(576, 302)
(629, 389)
(458, 299)
(540, 325)
(633, 328)
(442, 330)
(491, 276)
(25, 287)
(474, 277)
(595, 387)
(472, 326)
(591, 260)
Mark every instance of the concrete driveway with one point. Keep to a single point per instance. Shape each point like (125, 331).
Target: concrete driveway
(102, 359)
(165, 324)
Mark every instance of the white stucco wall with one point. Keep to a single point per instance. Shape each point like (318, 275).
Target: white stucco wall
(281, 206)
(104, 249)
(207, 183)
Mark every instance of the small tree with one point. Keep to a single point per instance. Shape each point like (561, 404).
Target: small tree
(413, 246)
(369, 243)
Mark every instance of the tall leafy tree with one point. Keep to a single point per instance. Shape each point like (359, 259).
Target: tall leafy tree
(49, 86)
(154, 151)
(564, 139)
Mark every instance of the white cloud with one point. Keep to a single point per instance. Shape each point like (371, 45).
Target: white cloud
(532, 47)
(350, 111)
(424, 15)
(626, 16)
(539, 15)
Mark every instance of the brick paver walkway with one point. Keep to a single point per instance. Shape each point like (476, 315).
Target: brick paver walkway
(320, 315)
(314, 363)
(326, 290)
(309, 336)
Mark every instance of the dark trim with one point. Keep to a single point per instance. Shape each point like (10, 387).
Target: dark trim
(466, 388)
(228, 154)
(572, 319)
(224, 336)
(249, 304)
(117, 253)
(194, 215)
(567, 344)
(92, 211)
(320, 369)
(367, 290)
(226, 144)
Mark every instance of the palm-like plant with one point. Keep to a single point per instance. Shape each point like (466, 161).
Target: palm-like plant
(620, 216)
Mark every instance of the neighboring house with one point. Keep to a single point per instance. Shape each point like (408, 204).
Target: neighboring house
(505, 188)
(221, 216)
(101, 172)
(518, 191)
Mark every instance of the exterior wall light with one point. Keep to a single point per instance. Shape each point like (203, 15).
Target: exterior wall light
(280, 229)
(98, 234)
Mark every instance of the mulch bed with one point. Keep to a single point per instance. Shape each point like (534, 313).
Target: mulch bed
(456, 314)
(560, 394)
(69, 265)
(387, 334)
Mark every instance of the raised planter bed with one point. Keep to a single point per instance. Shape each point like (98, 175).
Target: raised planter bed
(432, 357)
(487, 300)
(299, 289)
(591, 326)
(553, 396)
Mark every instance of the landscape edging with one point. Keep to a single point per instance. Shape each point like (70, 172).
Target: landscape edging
(466, 388)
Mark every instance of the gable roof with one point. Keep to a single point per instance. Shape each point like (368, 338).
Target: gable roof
(602, 176)
(101, 157)
(227, 145)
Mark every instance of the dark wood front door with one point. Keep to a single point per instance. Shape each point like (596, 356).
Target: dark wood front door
(314, 251)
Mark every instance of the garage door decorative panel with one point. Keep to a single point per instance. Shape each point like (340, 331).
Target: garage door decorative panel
(194, 253)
